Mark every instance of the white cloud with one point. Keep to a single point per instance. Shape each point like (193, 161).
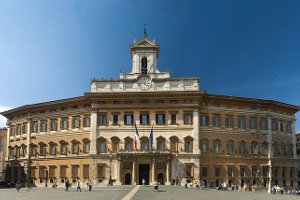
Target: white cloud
(3, 119)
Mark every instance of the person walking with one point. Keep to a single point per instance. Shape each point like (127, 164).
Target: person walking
(90, 185)
(67, 184)
(78, 186)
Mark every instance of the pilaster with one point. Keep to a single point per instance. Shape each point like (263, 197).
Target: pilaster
(93, 133)
(196, 149)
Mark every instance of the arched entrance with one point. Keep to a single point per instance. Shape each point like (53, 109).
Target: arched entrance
(127, 179)
(160, 178)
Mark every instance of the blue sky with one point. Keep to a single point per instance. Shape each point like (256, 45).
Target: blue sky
(50, 50)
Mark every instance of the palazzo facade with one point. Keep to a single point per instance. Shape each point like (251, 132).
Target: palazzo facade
(196, 135)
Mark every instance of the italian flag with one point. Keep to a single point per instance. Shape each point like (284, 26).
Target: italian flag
(136, 136)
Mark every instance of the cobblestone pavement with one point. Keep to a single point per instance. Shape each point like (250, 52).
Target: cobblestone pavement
(144, 193)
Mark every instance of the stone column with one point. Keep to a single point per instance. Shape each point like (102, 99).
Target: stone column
(168, 172)
(118, 169)
(133, 173)
(270, 154)
(93, 133)
(153, 170)
(196, 149)
(28, 140)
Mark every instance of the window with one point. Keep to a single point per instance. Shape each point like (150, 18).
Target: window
(11, 152)
(52, 149)
(230, 171)
(281, 126)
(86, 146)
(217, 171)
(292, 172)
(42, 172)
(102, 119)
(254, 171)
(128, 143)
(188, 144)
(115, 143)
(144, 119)
(115, 119)
(144, 69)
(204, 172)
(264, 148)
(23, 150)
(174, 143)
(33, 127)
(229, 147)
(290, 150)
(204, 146)
(217, 146)
(63, 171)
(229, 121)
(253, 147)
(204, 120)
(64, 123)
(242, 148)
(128, 119)
(42, 149)
(17, 152)
(253, 123)
(289, 127)
(33, 150)
(43, 126)
(100, 171)
(75, 147)
(63, 148)
(242, 172)
(217, 121)
(52, 172)
(160, 119)
(264, 124)
(75, 171)
(144, 143)
(242, 122)
(53, 125)
(76, 122)
(173, 118)
(18, 129)
(101, 145)
(274, 125)
(283, 172)
(86, 121)
(188, 118)
(188, 170)
(86, 171)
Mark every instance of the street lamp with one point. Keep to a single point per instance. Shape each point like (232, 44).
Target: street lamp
(110, 180)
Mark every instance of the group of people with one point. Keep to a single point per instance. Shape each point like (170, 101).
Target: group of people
(276, 189)
(78, 186)
(195, 184)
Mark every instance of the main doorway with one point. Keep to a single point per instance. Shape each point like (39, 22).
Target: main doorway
(144, 170)
(160, 178)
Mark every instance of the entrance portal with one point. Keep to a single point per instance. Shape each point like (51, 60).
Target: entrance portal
(144, 170)
(160, 178)
(127, 179)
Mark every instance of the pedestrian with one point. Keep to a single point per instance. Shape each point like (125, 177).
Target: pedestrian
(143, 181)
(78, 186)
(90, 185)
(155, 185)
(27, 185)
(18, 186)
(67, 184)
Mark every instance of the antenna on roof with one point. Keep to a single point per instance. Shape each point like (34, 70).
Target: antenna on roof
(145, 30)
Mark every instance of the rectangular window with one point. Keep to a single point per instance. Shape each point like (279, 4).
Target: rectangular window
(144, 119)
(51, 171)
(230, 171)
(242, 172)
(33, 127)
(86, 171)
(43, 126)
(253, 123)
(102, 119)
(102, 147)
(86, 147)
(128, 119)
(75, 148)
(188, 118)
(242, 122)
(281, 126)
(274, 125)
(217, 120)
(160, 119)
(217, 171)
(173, 118)
(188, 168)
(204, 172)
(42, 150)
(100, 171)
(63, 149)
(115, 119)
(32, 173)
(230, 148)
(63, 171)
(86, 121)
(53, 125)
(229, 121)
(264, 124)
(75, 171)
(76, 122)
(42, 172)
(204, 120)
(52, 150)
(64, 123)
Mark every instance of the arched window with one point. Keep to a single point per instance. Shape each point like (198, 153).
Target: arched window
(86, 145)
(253, 147)
(43, 147)
(264, 148)
(128, 143)
(101, 145)
(217, 146)
(204, 146)
(160, 141)
(174, 143)
(242, 147)
(144, 143)
(115, 143)
(63, 147)
(188, 144)
(52, 148)
(75, 146)
(229, 146)
(144, 65)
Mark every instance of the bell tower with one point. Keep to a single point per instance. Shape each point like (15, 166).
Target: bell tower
(144, 54)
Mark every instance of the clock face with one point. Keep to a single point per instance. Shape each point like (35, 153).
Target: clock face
(144, 82)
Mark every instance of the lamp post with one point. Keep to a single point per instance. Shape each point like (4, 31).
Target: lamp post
(110, 180)
(176, 181)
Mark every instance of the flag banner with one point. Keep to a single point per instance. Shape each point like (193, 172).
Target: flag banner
(136, 136)
(151, 139)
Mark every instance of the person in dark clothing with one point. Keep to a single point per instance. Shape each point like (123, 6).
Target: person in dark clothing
(67, 184)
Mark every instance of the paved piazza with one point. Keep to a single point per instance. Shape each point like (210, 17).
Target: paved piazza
(144, 193)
